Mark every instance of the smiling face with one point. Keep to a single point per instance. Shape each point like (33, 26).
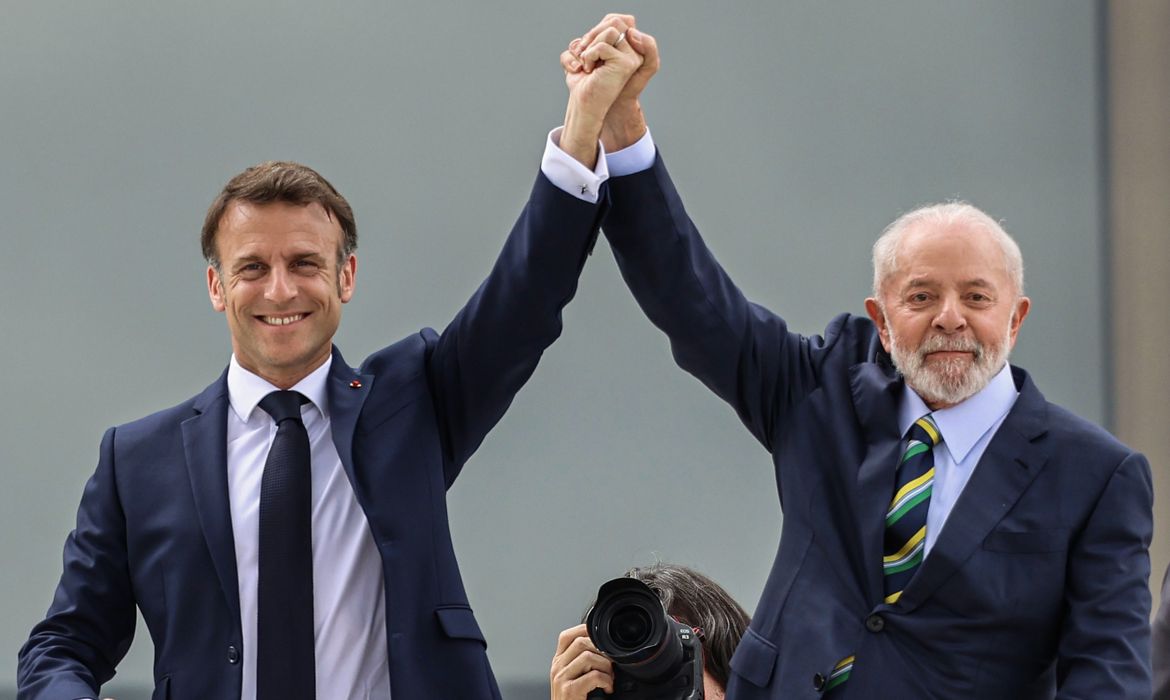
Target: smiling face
(950, 310)
(281, 286)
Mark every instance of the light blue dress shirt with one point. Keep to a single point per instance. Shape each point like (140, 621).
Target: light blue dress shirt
(966, 430)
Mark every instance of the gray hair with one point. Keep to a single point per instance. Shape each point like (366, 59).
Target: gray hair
(885, 249)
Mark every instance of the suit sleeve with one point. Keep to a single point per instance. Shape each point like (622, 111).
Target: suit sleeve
(492, 346)
(90, 623)
(738, 349)
(1161, 643)
(1104, 650)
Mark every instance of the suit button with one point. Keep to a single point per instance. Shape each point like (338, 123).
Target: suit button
(875, 623)
(818, 682)
(233, 655)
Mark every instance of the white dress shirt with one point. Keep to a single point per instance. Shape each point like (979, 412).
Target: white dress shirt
(966, 430)
(349, 608)
(570, 175)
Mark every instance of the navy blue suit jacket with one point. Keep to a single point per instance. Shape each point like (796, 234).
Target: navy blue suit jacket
(1037, 585)
(154, 527)
(1160, 654)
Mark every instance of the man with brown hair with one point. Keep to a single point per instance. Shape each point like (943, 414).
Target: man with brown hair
(284, 533)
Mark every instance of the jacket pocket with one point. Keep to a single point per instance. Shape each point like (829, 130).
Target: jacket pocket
(1035, 541)
(458, 622)
(754, 659)
(162, 689)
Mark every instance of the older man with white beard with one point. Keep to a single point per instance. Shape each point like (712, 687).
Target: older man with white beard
(947, 532)
(948, 245)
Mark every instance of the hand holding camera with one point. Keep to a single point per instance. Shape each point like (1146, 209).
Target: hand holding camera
(578, 667)
(654, 656)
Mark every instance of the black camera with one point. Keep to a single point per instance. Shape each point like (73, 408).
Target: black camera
(654, 656)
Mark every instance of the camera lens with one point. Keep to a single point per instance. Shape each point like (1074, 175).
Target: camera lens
(630, 627)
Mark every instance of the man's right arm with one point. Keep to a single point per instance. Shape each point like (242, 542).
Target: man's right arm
(741, 351)
(90, 623)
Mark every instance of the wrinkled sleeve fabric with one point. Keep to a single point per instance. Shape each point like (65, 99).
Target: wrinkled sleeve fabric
(490, 349)
(740, 350)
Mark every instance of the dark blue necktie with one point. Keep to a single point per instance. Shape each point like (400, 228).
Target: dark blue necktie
(285, 664)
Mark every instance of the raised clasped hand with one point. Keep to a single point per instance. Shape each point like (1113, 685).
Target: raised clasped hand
(597, 67)
(624, 122)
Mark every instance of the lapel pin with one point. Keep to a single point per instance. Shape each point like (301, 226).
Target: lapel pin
(355, 384)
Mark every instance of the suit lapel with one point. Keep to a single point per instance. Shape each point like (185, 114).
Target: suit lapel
(205, 445)
(1013, 459)
(875, 399)
(347, 392)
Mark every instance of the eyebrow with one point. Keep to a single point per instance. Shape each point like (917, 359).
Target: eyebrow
(253, 257)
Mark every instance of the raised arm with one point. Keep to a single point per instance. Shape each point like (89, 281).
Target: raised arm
(741, 351)
(492, 346)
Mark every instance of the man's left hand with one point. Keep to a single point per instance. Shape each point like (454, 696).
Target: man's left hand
(600, 73)
(625, 123)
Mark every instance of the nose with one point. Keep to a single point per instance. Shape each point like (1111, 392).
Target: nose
(281, 286)
(950, 317)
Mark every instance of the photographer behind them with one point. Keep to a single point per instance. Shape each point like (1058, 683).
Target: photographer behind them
(651, 634)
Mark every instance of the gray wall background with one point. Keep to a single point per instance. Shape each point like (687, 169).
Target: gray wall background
(795, 132)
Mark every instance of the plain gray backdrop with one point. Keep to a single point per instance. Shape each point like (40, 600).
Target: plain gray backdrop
(795, 132)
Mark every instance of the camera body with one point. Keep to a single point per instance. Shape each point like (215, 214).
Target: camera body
(654, 656)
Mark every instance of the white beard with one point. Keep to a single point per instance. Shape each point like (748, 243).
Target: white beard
(954, 380)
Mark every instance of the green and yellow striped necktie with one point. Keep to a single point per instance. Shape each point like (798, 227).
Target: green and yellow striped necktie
(905, 538)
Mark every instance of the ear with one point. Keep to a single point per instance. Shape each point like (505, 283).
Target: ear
(1023, 306)
(879, 319)
(215, 289)
(347, 278)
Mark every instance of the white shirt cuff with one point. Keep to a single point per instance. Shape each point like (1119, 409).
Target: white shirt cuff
(568, 174)
(632, 159)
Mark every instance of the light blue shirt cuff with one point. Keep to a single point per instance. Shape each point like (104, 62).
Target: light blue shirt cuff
(569, 174)
(632, 159)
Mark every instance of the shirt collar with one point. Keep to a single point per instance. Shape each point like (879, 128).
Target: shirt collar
(963, 424)
(246, 389)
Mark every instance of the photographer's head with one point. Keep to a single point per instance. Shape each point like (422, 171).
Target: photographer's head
(696, 600)
(689, 597)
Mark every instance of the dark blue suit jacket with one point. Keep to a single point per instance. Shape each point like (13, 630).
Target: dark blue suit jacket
(1037, 585)
(154, 528)
(1160, 655)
